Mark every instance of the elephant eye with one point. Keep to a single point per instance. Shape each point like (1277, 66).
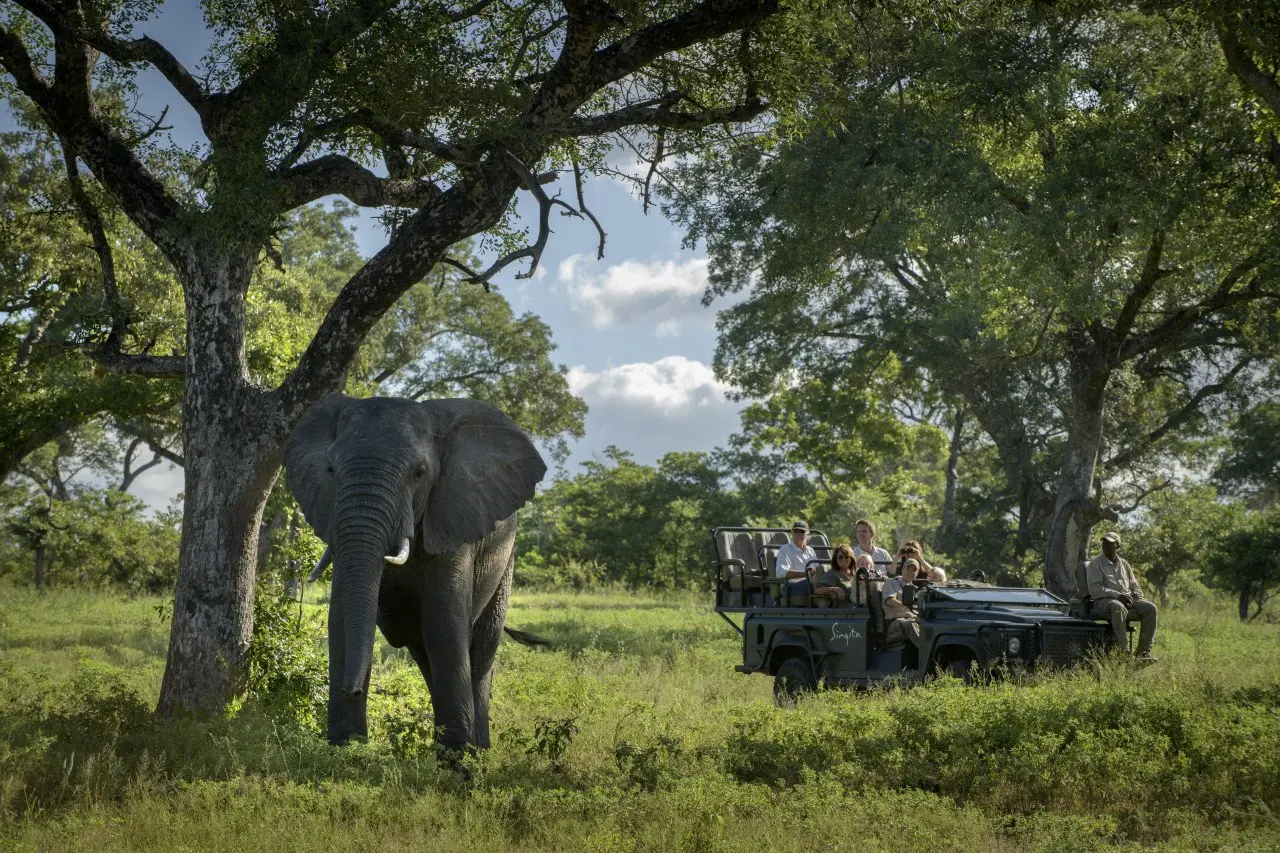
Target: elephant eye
(329, 468)
(421, 472)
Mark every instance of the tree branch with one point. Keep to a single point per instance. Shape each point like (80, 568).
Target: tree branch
(1151, 273)
(1179, 418)
(91, 221)
(707, 20)
(67, 105)
(1222, 298)
(657, 113)
(1264, 85)
(582, 207)
(334, 174)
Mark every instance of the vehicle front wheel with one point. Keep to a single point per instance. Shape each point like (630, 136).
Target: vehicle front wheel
(793, 679)
(962, 668)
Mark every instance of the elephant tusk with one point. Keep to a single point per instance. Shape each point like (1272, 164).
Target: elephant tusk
(402, 557)
(322, 565)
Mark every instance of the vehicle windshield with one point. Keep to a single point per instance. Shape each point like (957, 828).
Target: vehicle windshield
(997, 595)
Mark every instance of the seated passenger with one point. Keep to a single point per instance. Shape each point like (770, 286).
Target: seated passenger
(837, 582)
(793, 559)
(865, 532)
(937, 575)
(901, 620)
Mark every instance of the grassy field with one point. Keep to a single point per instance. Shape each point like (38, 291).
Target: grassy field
(636, 734)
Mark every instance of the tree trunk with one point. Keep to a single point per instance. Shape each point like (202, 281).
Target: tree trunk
(946, 532)
(1074, 510)
(40, 567)
(232, 438)
(1245, 589)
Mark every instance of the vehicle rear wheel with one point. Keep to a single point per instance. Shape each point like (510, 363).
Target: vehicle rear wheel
(793, 679)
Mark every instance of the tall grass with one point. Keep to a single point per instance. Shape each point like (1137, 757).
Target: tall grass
(634, 733)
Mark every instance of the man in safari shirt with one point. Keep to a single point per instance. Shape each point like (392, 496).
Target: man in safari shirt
(1116, 597)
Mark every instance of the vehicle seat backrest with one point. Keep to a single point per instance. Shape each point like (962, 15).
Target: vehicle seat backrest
(737, 546)
(875, 603)
(1082, 580)
(766, 546)
(820, 545)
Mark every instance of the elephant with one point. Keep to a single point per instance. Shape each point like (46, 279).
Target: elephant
(416, 504)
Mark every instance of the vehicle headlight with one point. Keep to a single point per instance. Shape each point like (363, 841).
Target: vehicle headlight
(1015, 645)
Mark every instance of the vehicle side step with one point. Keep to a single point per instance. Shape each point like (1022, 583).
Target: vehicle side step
(744, 668)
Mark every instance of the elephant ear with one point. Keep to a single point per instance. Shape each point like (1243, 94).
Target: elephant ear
(306, 462)
(488, 469)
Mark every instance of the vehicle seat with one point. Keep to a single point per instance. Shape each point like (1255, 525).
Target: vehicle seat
(1081, 604)
(818, 542)
(875, 604)
(737, 566)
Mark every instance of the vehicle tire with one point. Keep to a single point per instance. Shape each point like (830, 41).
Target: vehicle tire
(963, 669)
(793, 679)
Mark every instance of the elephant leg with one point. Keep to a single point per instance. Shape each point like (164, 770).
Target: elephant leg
(485, 636)
(348, 716)
(446, 636)
(419, 655)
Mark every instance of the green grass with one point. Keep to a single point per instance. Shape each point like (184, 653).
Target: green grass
(635, 733)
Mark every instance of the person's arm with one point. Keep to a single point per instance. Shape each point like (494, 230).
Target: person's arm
(835, 592)
(1097, 584)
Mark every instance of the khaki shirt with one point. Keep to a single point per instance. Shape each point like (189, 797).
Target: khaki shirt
(893, 606)
(1111, 580)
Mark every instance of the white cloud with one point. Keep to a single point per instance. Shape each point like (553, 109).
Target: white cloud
(673, 386)
(662, 292)
(653, 408)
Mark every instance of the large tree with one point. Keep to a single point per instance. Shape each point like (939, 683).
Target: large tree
(463, 105)
(1059, 217)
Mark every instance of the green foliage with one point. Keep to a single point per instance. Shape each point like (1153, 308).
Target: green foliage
(980, 209)
(288, 664)
(1247, 561)
(1251, 466)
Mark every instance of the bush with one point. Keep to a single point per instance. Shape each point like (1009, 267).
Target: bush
(288, 669)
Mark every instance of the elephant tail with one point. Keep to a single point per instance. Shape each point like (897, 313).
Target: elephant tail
(527, 639)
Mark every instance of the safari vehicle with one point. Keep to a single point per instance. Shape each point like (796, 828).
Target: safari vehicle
(966, 628)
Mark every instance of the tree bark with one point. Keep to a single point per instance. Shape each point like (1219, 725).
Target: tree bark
(1244, 599)
(232, 439)
(947, 530)
(1074, 510)
(40, 582)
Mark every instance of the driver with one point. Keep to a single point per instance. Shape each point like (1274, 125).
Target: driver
(903, 623)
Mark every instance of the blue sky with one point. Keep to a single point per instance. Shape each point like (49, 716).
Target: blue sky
(630, 328)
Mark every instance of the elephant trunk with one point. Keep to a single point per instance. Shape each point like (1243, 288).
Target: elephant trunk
(364, 538)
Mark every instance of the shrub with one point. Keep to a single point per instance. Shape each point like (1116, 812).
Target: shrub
(288, 670)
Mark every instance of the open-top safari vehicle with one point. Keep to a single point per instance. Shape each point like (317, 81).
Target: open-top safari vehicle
(966, 627)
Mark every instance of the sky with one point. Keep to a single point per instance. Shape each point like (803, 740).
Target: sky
(630, 329)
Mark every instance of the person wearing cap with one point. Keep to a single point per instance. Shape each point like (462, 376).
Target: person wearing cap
(903, 624)
(1116, 597)
(793, 560)
(865, 532)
